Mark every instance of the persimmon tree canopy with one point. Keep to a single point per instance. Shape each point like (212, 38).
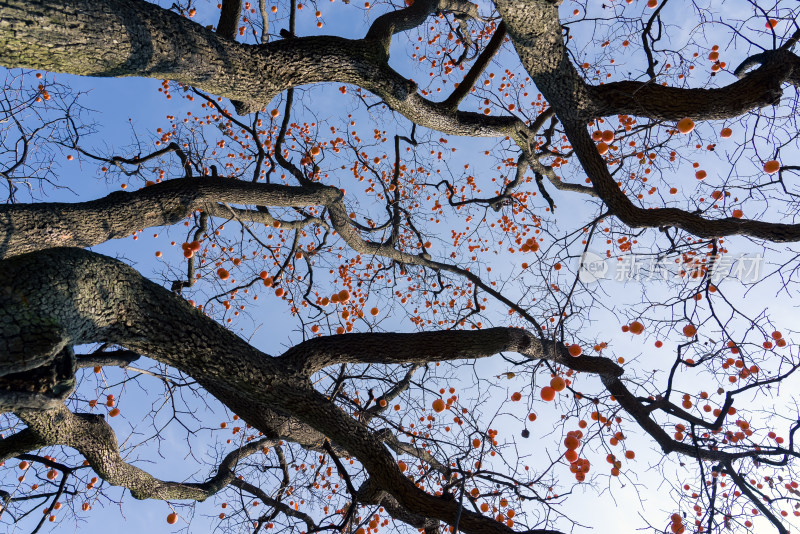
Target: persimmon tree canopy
(508, 239)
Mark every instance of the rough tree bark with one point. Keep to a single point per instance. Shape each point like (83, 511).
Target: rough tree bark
(91, 298)
(29, 227)
(134, 38)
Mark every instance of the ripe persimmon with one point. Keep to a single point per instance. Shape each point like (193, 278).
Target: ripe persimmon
(685, 126)
(558, 383)
(772, 166)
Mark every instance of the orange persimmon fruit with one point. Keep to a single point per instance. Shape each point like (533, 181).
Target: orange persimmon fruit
(685, 126)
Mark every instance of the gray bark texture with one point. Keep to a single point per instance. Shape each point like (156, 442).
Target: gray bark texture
(135, 38)
(93, 298)
(29, 227)
(55, 296)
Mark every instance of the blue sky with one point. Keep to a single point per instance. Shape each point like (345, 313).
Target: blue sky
(118, 101)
